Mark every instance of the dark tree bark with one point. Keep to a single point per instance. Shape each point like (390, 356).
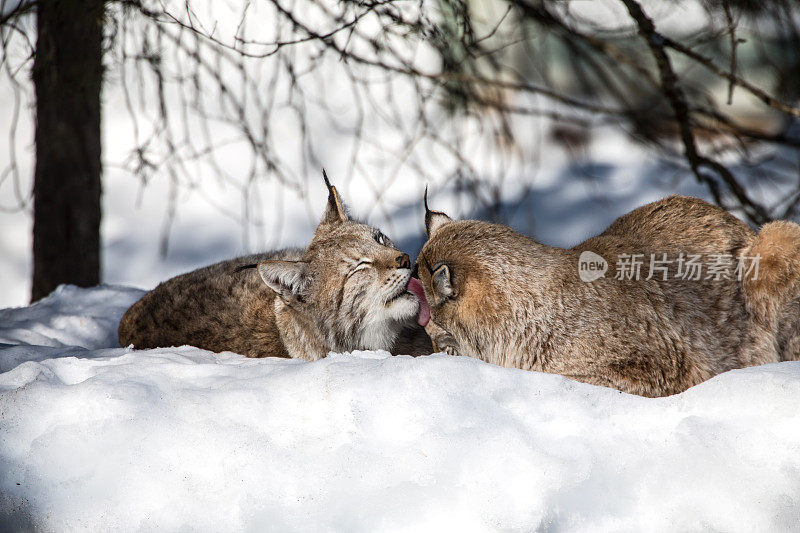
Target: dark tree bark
(67, 73)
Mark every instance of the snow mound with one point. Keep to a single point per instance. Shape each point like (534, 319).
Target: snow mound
(70, 316)
(97, 437)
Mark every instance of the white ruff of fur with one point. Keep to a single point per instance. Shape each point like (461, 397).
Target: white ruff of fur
(386, 307)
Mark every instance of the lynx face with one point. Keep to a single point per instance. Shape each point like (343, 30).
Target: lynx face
(459, 273)
(481, 283)
(352, 282)
(456, 286)
(359, 286)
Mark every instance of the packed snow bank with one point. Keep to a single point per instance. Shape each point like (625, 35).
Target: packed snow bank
(97, 438)
(70, 316)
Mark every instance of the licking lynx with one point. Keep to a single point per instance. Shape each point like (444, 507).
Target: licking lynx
(351, 289)
(500, 296)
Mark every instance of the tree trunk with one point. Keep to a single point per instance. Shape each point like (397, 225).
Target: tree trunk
(68, 74)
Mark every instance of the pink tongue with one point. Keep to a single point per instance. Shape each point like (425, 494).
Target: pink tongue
(424, 313)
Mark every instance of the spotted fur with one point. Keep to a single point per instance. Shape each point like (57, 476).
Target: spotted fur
(346, 291)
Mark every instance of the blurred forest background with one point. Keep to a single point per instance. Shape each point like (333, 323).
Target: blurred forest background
(147, 138)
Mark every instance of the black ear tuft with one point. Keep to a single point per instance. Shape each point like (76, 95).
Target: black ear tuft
(336, 211)
(245, 267)
(433, 219)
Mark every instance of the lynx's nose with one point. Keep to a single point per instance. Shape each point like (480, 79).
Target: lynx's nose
(403, 261)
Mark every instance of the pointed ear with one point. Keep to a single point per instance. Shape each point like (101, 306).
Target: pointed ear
(287, 278)
(442, 282)
(433, 219)
(336, 211)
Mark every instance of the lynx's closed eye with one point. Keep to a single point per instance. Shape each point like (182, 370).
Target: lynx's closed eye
(361, 265)
(381, 239)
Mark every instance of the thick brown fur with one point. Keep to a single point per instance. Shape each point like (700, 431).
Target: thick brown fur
(502, 297)
(347, 291)
(214, 308)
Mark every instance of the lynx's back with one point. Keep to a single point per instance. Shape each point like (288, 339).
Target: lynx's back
(681, 224)
(215, 308)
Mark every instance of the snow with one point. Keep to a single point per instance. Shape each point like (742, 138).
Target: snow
(98, 437)
(9, 6)
(70, 316)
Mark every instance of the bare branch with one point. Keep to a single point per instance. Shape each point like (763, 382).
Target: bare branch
(676, 97)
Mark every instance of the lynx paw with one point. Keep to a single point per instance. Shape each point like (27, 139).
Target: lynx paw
(449, 350)
(441, 339)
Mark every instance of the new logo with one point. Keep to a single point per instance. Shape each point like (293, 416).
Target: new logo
(591, 266)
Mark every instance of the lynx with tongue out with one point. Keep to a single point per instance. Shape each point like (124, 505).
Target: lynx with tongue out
(424, 312)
